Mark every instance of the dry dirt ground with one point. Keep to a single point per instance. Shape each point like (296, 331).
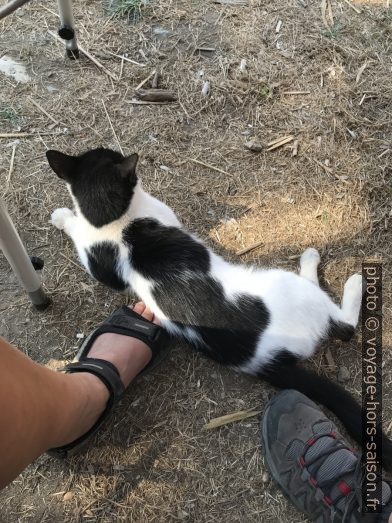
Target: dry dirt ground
(154, 462)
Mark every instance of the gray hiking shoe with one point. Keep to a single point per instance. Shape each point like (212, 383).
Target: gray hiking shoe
(313, 465)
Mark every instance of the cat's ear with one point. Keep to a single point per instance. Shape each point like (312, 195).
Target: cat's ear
(62, 164)
(127, 167)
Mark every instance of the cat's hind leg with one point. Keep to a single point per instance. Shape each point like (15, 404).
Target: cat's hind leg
(308, 263)
(345, 318)
(352, 299)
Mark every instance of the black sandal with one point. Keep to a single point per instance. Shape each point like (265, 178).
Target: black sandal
(122, 321)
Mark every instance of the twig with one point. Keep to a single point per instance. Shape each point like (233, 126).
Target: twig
(384, 153)
(11, 167)
(277, 140)
(325, 167)
(250, 248)
(155, 95)
(231, 2)
(324, 13)
(90, 57)
(71, 261)
(330, 14)
(121, 68)
(330, 360)
(44, 111)
(360, 71)
(15, 135)
(200, 110)
(209, 166)
(353, 7)
(295, 148)
(206, 49)
(155, 80)
(296, 92)
(27, 135)
(127, 59)
(230, 418)
(145, 80)
(112, 128)
(184, 109)
(143, 102)
(285, 140)
(98, 64)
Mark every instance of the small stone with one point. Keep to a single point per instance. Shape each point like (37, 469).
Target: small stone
(160, 32)
(206, 89)
(68, 496)
(89, 513)
(343, 374)
(265, 477)
(254, 146)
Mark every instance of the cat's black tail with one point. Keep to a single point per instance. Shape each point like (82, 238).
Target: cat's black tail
(285, 373)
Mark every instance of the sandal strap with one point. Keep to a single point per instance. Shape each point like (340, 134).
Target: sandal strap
(128, 323)
(109, 375)
(126, 318)
(104, 370)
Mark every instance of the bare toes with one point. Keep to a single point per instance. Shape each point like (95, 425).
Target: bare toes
(148, 314)
(139, 308)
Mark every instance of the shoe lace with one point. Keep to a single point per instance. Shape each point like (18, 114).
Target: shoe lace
(353, 496)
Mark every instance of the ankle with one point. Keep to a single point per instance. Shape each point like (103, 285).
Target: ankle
(84, 399)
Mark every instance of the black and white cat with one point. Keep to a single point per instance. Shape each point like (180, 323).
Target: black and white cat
(260, 321)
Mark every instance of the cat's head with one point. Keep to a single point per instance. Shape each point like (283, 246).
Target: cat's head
(101, 181)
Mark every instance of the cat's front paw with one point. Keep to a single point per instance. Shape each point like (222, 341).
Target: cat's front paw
(310, 257)
(59, 217)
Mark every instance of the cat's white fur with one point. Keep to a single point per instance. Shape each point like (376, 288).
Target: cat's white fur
(299, 310)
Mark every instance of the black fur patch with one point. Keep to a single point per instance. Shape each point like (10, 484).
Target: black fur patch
(102, 262)
(161, 252)
(229, 329)
(340, 330)
(189, 296)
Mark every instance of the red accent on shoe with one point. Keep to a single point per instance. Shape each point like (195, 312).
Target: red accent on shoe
(301, 461)
(311, 442)
(328, 500)
(313, 481)
(344, 488)
(334, 435)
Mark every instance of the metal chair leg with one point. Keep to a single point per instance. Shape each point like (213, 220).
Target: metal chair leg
(10, 7)
(67, 28)
(15, 252)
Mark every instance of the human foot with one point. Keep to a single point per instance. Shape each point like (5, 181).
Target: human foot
(128, 355)
(88, 395)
